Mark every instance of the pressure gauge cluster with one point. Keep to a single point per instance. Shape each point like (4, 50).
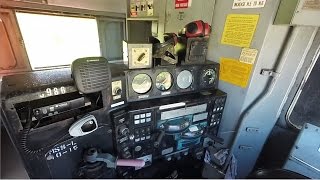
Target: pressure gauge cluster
(170, 80)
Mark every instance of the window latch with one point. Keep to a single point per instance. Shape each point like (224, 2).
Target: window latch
(269, 72)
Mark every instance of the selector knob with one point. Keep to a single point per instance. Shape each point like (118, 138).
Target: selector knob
(117, 91)
(123, 130)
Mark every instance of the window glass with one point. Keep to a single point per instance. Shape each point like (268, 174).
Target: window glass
(112, 35)
(57, 40)
(305, 107)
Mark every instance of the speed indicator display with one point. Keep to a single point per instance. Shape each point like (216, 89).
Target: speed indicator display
(208, 76)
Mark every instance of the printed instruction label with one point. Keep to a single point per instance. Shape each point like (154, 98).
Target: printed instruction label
(248, 55)
(311, 5)
(235, 72)
(242, 4)
(239, 29)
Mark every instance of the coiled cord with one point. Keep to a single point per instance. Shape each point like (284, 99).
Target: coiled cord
(24, 138)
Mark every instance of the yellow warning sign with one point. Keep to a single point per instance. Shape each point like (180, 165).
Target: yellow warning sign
(235, 72)
(239, 29)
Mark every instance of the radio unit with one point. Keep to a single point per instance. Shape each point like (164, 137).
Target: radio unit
(169, 127)
(38, 109)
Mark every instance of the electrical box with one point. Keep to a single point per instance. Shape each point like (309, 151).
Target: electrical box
(298, 12)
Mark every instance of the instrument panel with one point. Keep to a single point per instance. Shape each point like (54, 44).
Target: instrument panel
(148, 130)
(169, 127)
(170, 80)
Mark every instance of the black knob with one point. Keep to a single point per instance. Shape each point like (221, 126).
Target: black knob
(117, 91)
(123, 130)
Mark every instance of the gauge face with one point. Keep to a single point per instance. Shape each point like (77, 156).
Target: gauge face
(208, 76)
(184, 79)
(164, 81)
(141, 83)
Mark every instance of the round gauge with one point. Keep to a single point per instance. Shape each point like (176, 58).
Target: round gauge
(164, 81)
(141, 83)
(184, 79)
(208, 76)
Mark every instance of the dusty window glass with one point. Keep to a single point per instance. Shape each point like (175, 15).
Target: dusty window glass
(305, 107)
(52, 41)
(111, 36)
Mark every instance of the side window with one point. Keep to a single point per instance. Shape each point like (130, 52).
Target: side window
(305, 105)
(8, 61)
(54, 41)
(112, 33)
(12, 55)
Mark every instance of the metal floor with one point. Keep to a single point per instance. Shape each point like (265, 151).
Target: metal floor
(11, 163)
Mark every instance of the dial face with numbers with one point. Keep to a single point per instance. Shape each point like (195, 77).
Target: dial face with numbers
(164, 81)
(141, 83)
(208, 76)
(140, 57)
(184, 79)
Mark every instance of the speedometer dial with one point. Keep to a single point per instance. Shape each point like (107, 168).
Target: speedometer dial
(164, 81)
(184, 79)
(208, 76)
(141, 83)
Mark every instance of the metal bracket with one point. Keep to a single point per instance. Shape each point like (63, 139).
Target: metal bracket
(269, 72)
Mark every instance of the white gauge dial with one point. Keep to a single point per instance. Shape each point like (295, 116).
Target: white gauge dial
(184, 79)
(141, 83)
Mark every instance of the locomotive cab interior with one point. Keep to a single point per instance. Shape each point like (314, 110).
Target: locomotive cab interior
(174, 89)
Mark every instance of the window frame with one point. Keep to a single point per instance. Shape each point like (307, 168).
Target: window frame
(16, 41)
(300, 89)
(37, 8)
(308, 63)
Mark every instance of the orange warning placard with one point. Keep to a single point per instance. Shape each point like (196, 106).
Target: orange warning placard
(235, 72)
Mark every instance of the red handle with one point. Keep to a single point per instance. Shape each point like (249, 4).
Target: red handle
(130, 162)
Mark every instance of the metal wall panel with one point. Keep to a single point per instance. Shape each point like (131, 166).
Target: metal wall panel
(176, 19)
(281, 49)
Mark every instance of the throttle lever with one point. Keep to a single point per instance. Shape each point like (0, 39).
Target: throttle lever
(93, 156)
(159, 139)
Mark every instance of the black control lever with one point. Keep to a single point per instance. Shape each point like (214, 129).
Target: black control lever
(159, 139)
(215, 138)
